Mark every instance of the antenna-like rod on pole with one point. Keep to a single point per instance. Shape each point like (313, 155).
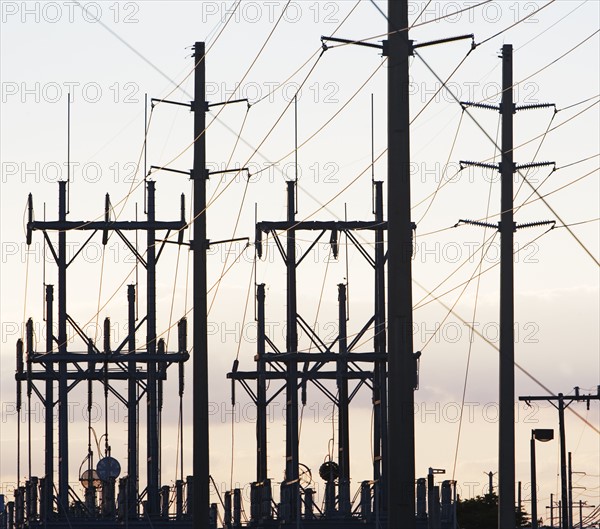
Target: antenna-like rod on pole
(68, 152)
(145, 148)
(296, 152)
(373, 152)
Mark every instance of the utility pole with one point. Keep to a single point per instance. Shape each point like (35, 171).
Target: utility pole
(399, 473)
(560, 519)
(506, 227)
(582, 505)
(344, 420)
(291, 409)
(261, 390)
(552, 510)
(570, 485)
(152, 403)
(48, 489)
(506, 457)
(132, 419)
(563, 402)
(201, 469)
(401, 363)
(63, 418)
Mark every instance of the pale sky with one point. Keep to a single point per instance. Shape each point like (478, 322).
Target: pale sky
(109, 54)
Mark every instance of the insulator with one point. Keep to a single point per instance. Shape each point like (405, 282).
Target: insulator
(536, 224)
(227, 509)
(258, 242)
(536, 106)
(189, 493)
(107, 336)
(182, 334)
(29, 332)
(181, 378)
(178, 499)
(254, 502)
(162, 368)
(106, 218)
(234, 369)
(29, 218)
(164, 496)
(237, 507)
(335, 248)
(213, 515)
(180, 236)
(365, 500)
(19, 372)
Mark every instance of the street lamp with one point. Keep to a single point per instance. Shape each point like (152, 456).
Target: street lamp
(542, 435)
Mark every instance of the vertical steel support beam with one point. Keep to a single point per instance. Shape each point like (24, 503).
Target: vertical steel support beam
(380, 374)
(343, 407)
(506, 459)
(401, 460)
(261, 393)
(570, 486)
(534, 518)
(63, 411)
(48, 488)
(200, 442)
(564, 508)
(132, 405)
(152, 418)
(291, 410)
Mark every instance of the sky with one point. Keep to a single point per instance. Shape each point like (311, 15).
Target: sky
(109, 55)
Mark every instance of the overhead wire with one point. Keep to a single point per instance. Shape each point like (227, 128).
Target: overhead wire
(516, 23)
(520, 173)
(414, 25)
(437, 189)
(470, 348)
(543, 68)
(133, 187)
(550, 27)
(490, 343)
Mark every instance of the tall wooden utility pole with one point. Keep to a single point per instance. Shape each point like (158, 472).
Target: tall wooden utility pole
(201, 494)
(506, 456)
(401, 363)
(561, 403)
(507, 228)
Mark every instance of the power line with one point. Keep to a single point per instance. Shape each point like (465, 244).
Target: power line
(515, 23)
(519, 172)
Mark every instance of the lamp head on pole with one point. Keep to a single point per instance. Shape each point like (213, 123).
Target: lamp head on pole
(542, 435)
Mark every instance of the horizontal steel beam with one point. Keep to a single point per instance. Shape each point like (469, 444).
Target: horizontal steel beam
(321, 357)
(316, 375)
(316, 225)
(564, 397)
(46, 358)
(86, 375)
(103, 225)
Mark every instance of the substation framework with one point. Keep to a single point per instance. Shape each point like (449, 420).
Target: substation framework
(389, 497)
(297, 369)
(108, 501)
